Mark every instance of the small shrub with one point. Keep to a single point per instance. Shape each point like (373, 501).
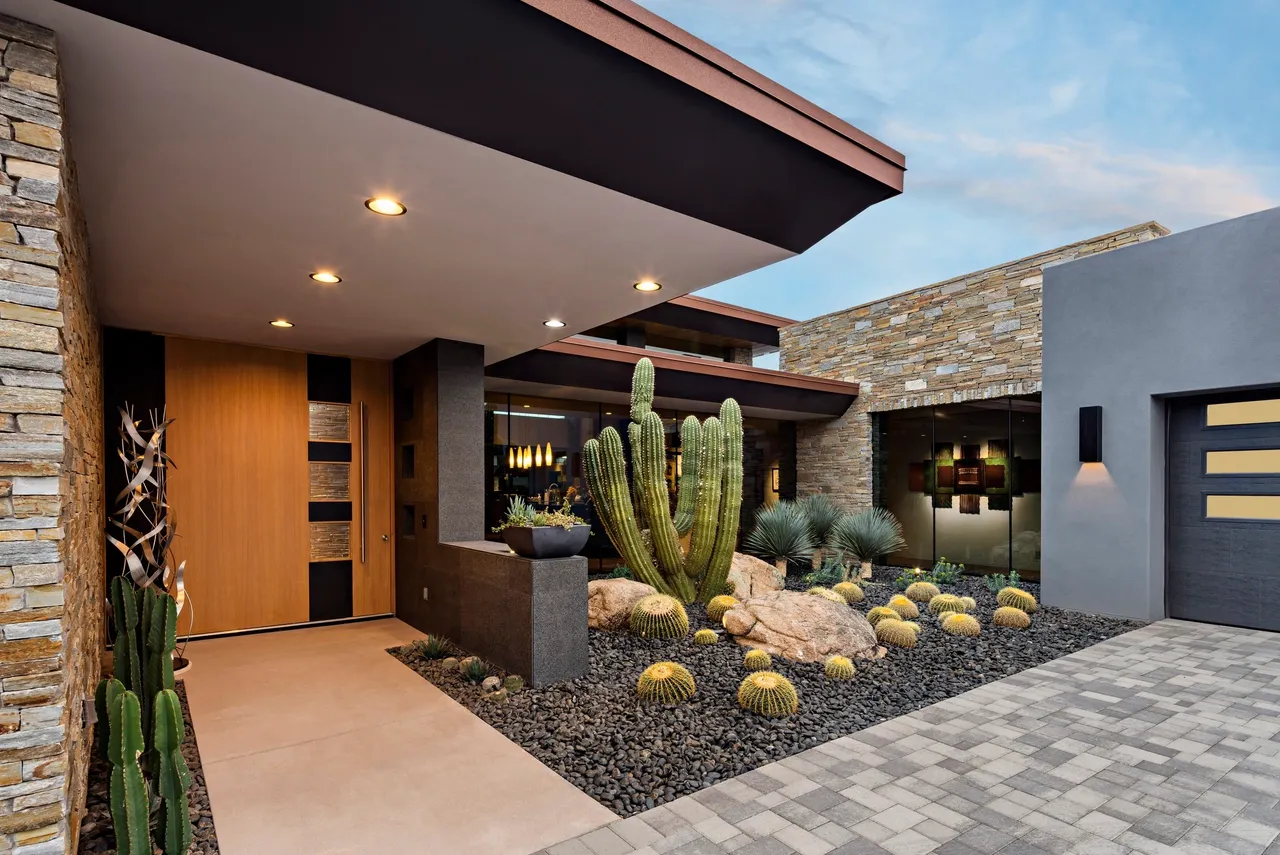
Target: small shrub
(999, 580)
(757, 660)
(1016, 598)
(768, 694)
(880, 613)
(659, 616)
(831, 573)
(895, 633)
(705, 636)
(665, 683)
(851, 592)
(922, 592)
(433, 647)
(946, 573)
(475, 670)
(828, 594)
(840, 668)
(1011, 617)
(908, 577)
(718, 606)
(958, 623)
(946, 604)
(622, 571)
(904, 607)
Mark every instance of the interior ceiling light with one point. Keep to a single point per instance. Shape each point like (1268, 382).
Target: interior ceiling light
(553, 323)
(386, 207)
(647, 285)
(282, 323)
(326, 277)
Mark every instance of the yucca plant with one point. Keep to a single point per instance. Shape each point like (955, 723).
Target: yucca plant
(781, 533)
(822, 515)
(475, 670)
(433, 647)
(866, 535)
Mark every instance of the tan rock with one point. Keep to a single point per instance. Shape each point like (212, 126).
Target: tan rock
(801, 627)
(752, 577)
(609, 602)
(37, 135)
(34, 82)
(30, 169)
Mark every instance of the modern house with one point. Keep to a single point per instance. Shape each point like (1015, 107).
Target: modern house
(946, 428)
(305, 244)
(541, 406)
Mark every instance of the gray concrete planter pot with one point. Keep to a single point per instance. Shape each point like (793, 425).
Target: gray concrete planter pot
(546, 541)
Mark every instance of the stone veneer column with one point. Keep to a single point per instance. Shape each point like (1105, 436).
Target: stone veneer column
(51, 500)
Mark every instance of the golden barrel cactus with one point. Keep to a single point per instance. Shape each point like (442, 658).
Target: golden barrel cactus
(959, 623)
(970, 604)
(1011, 617)
(880, 613)
(665, 683)
(718, 606)
(922, 592)
(946, 604)
(705, 636)
(895, 633)
(851, 592)
(757, 660)
(659, 616)
(827, 594)
(1016, 598)
(904, 607)
(840, 668)
(768, 694)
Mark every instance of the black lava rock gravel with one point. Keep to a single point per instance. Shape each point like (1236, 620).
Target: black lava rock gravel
(97, 836)
(629, 756)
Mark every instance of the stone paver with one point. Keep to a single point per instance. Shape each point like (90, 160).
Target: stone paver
(1164, 740)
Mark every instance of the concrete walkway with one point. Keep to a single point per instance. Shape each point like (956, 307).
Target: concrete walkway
(1162, 740)
(316, 741)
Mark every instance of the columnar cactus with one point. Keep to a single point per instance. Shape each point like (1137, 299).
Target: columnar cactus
(1016, 598)
(690, 450)
(665, 683)
(708, 503)
(659, 616)
(130, 803)
(173, 778)
(768, 694)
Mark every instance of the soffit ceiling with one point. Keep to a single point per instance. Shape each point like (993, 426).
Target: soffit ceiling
(212, 189)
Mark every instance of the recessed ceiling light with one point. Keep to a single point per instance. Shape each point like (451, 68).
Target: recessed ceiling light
(281, 322)
(326, 277)
(647, 285)
(553, 323)
(386, 207)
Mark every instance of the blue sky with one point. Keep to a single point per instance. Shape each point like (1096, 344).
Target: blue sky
(1026, 125)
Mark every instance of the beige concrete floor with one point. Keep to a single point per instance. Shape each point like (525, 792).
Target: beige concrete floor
(317, 742)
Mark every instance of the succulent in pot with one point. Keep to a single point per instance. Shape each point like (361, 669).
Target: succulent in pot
(543, 534)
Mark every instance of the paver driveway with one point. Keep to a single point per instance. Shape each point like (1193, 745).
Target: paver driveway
(1160, 740)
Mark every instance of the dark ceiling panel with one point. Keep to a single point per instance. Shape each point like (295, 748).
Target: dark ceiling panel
(510, 77)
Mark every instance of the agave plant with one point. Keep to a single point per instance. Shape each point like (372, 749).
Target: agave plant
(781, 533)
(822, 515)
(867, 534)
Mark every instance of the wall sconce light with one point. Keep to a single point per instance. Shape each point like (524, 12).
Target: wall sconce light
(1091, 434)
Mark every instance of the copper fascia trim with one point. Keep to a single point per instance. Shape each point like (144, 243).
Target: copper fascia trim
(702, 304)
(633, 30)
(574, 346)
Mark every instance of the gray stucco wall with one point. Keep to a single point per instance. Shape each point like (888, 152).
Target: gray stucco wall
(1193, 312)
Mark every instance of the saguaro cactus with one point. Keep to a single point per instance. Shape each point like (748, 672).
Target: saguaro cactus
(173, 778)
(130, 806)
(708, 504)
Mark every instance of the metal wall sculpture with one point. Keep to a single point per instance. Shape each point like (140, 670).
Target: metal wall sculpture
(144, 521)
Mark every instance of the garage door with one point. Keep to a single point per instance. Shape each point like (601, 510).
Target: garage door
(1223, 550)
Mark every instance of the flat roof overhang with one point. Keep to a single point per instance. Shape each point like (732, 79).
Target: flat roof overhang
(588, 370)
(551, 153)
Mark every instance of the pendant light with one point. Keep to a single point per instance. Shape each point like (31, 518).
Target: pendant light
(537, 456)
(511, 457)
(550, 456)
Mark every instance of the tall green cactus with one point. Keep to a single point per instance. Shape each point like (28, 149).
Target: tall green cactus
(173, 778)
(130, 805)
(730, 503)
(708, 504)
(690, 447)
(124, 606)
(707, 513)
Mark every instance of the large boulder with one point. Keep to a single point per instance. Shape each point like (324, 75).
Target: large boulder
(802, 627)
(752, 577)
(609, 601)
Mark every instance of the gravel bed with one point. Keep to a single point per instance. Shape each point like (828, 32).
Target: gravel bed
(630, 757)
(97, 835)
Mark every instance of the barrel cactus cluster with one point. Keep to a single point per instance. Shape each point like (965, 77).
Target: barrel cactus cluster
(144, 727)
(665, 683)
(880, 613)
(635, 512)
(659, 616)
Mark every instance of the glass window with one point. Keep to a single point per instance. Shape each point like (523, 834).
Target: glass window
(1025, 470)
(905, 458)
(972, 504)
(1242, 413)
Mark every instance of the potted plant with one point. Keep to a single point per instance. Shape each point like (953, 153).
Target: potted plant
(543, 534)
